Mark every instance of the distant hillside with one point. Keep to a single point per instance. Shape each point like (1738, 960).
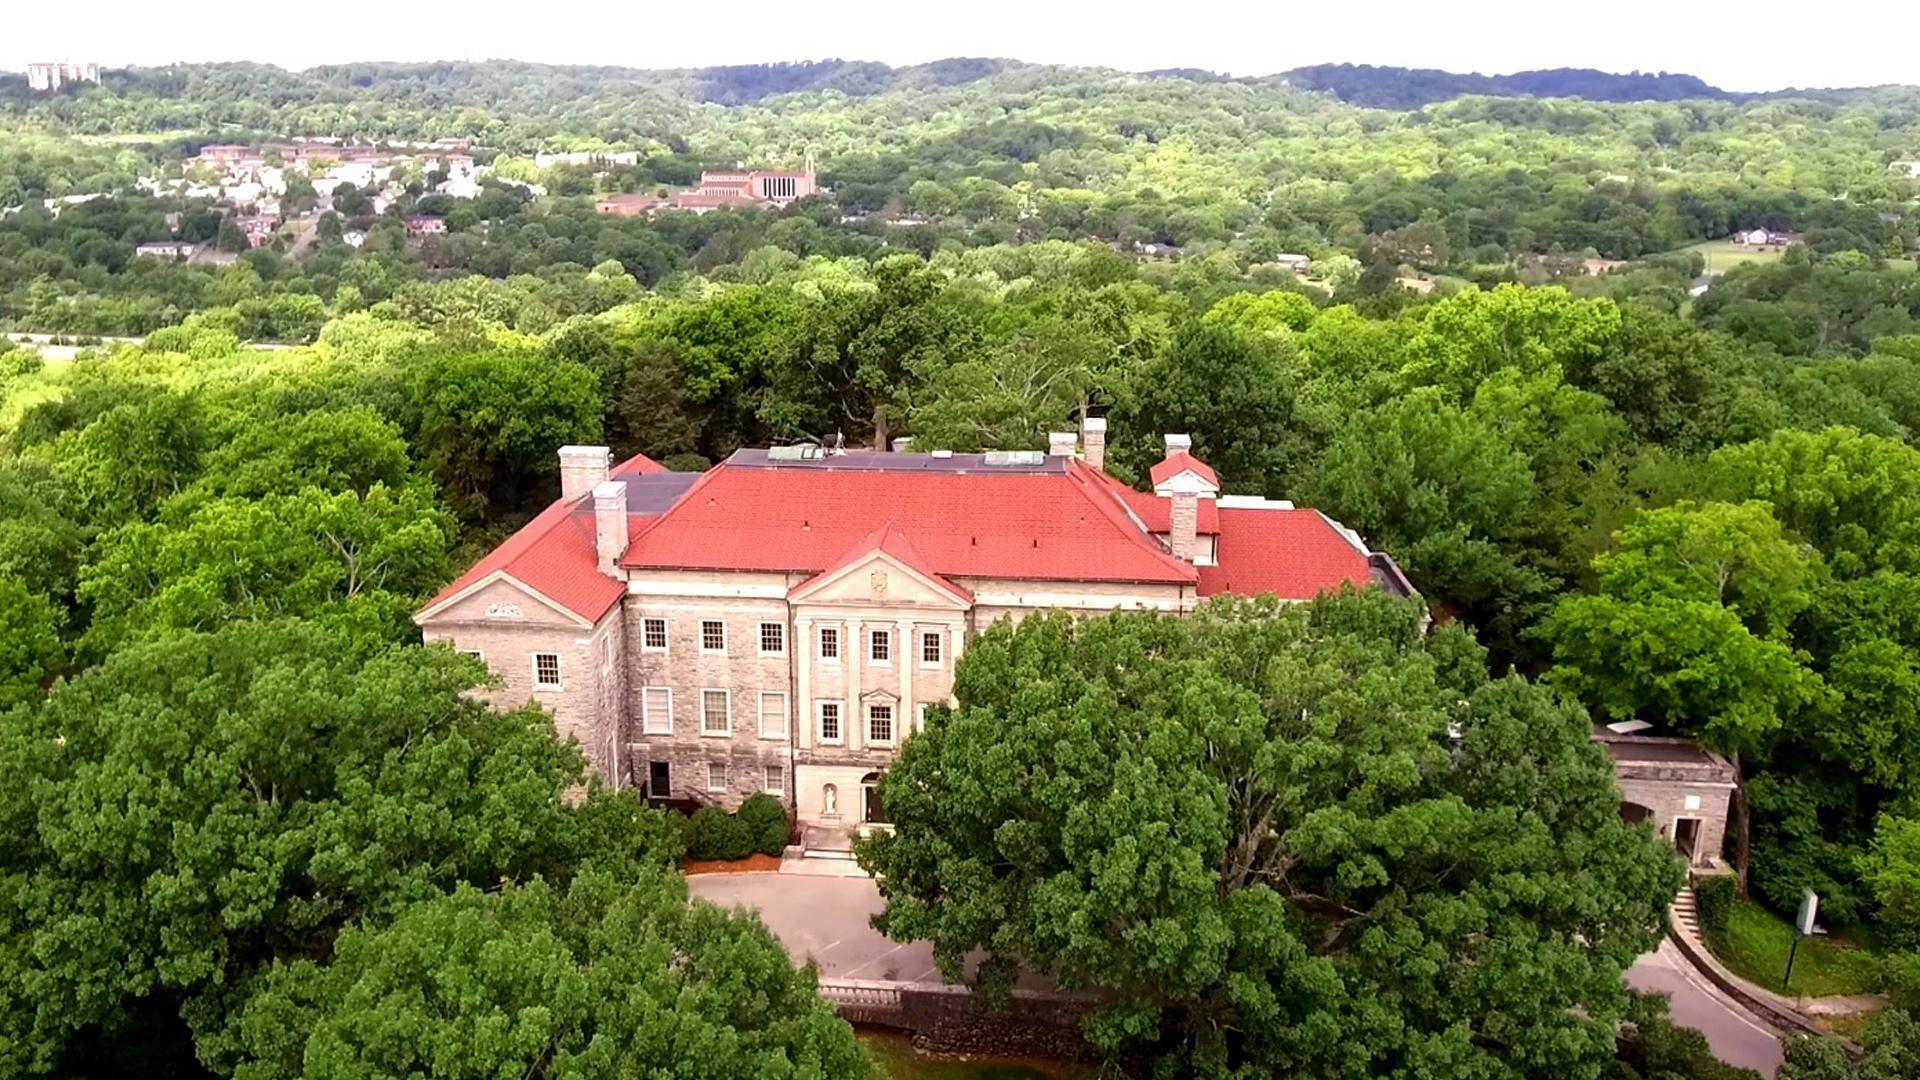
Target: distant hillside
(1410, 88)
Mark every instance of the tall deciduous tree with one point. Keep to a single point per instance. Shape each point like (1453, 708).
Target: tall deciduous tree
(1300, 840)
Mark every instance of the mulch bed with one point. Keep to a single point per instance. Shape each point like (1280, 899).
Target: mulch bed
(752, 864)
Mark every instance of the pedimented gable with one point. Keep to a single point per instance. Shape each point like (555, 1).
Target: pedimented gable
(878, 579)
(500, 599)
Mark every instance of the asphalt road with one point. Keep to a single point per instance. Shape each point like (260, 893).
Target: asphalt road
(824, 919)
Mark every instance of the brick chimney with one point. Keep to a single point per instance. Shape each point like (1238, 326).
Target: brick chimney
(1060, 443)
(1183, 526)
(1093, 441)
(1179, 444)
(610, 525)
(582, 468)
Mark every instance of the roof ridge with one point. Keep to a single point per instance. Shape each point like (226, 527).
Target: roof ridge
(1134, 528)
(660, 519)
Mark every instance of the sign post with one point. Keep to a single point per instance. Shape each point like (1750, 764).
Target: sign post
(1802, 927)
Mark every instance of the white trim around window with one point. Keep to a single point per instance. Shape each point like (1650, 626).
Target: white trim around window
(708, 695)
(880, 647)
(879, 713)
(773, 779)
(653, 634)
(830, 641)
(837, 711)
(933, 649)
(716, 776)
(775, 634)
(546, 671)
(712, 630)
(776, 698)
(656, 710)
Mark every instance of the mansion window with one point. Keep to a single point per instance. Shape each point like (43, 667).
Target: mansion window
(546, 669)
(880, 723)
(774, 780)
(653, 635)
(830, 644)
(773, 639)
(716, 776)
(880, 646)
(656, 710)
(773, 714)
(716, 712)
(713, 636)
(931, 648)
(830, 722)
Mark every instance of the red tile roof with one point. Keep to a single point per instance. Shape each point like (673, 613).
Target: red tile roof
(553, 555)
(1175, 464)
(891, 541)
(638, 463)
(1040, 525)
(1156, 513)
(1294, 554)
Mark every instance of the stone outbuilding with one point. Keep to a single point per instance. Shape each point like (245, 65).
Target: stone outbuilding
(1683, 788)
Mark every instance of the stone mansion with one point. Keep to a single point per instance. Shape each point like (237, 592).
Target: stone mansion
(780, 622)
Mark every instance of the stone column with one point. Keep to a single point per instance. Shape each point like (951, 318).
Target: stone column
(909, 660)
(800, 718)
(856, 650)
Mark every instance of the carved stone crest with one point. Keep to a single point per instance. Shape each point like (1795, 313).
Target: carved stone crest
(503, 611)
(877, 582)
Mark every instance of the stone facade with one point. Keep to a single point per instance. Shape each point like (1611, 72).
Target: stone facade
(707, 686)
(1683, 789)
(511, 627)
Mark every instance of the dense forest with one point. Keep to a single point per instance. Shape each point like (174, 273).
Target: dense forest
(244, 830)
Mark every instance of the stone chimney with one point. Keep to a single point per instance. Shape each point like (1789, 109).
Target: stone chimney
(1093, 441)
(582, 468)
(1183, 526)
(1060, 443)
(900, 444)
(610, 525)
(1179, 444)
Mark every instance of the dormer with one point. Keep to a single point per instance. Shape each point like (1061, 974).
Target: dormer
(1180, 473)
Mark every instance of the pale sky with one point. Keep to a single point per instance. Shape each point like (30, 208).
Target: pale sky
(1751, 45)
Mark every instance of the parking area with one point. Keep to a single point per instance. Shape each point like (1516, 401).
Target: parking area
(823, 919)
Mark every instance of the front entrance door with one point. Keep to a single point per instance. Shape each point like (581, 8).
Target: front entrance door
(659, 780)
(1686, 837)
(871, 810)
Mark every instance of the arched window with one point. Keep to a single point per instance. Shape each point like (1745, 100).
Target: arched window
(871, 810)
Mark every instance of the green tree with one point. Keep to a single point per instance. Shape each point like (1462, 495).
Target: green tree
(1255, 828)
(607, 978)
(489, 422)
(202, 804)
(29, 643)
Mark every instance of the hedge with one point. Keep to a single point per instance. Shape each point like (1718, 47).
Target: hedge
(759, 826)
(1713, 897)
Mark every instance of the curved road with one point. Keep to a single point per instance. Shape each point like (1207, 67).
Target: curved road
(824, 919)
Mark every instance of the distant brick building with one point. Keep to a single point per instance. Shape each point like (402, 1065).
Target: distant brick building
(780, 622)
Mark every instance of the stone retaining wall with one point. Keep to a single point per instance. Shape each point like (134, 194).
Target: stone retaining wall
(951, 1020)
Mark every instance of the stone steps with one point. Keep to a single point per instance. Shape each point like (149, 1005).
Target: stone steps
(1686, 913)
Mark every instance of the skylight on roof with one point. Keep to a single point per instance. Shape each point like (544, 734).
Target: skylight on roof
(1003, 458)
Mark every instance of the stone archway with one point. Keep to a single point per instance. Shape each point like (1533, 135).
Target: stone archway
(871, 810)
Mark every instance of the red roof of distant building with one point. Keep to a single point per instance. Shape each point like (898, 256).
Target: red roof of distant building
(713, 198)
(1294, 554)
(1175, 464)
(637, 464)
(1047, 523)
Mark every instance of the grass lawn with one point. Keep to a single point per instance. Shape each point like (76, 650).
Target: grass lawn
(1724, 255)
(899, 1061)
(1755, 946)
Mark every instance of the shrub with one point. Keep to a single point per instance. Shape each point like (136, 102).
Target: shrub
(712, 833)
(1715, 898)
(766, 823)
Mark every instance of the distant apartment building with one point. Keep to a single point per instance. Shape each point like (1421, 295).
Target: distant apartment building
(781, 622)
(44, 77)
(165, 249)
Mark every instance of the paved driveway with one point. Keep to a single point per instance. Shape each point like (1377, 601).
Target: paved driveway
(824, 919)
